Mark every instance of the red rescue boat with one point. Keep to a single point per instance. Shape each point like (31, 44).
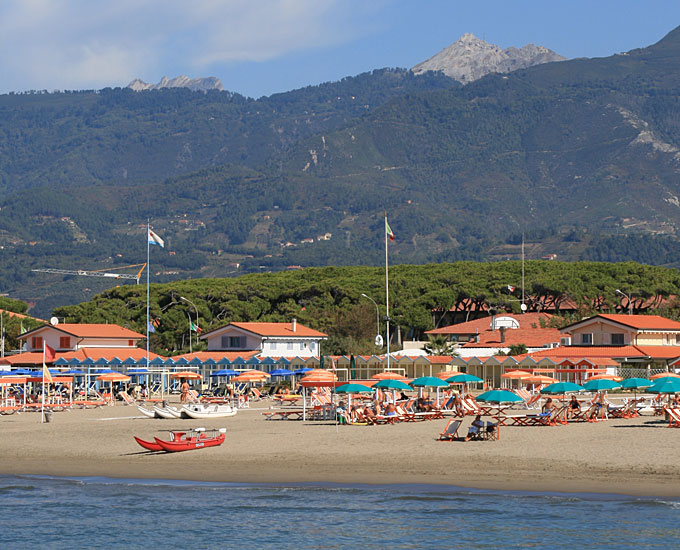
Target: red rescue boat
(185, 441)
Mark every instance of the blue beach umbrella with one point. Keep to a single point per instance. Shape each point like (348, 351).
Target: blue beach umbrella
(562, 387)
(464, 378)
(429, 382)
(353, 388)
(224, 372)
(499, 396)
(665, 385)
(601, 384)
(635, 383)
(392, 385)
(281, 372)
(303, 370)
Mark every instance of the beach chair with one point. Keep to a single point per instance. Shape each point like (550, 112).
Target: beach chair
(450, 432)
(471, 407)
(673, 416)
(586, 415)
(127, 399)
(490, 432)
(257, 394)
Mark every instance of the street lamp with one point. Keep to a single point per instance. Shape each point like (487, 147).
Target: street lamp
(196, 310)
(630, 303)
(377, 315)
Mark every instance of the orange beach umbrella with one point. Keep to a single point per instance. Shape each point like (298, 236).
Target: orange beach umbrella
(388, 375)
(186, 374)
(605, 377)
(517, 375)
(663, 375)
(251, 376)
(540, 379)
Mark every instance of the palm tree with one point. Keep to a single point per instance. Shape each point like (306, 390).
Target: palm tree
(439, 345)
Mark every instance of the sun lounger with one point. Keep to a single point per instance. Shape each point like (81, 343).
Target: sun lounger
(450, 432)
(673, 416)
(471, 407)
(283, 415)
(127, 399)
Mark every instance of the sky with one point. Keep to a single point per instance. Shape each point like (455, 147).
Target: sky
(261, 47)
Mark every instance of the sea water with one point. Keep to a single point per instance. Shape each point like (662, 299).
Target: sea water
(56, 513)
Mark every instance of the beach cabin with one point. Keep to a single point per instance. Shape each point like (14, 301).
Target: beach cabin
(269, 339)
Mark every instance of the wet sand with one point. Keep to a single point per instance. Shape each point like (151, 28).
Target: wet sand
(627, 456)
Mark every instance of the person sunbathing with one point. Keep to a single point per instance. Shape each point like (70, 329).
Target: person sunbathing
(423, 406)
(368, 415)
(548, 406)
(477, 425)
(391, 410)
(574, 407)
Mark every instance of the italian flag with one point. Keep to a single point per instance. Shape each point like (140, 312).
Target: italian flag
(388, 230)
(196, 328)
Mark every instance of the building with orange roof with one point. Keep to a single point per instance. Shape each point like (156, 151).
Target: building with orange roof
(65, 337)
(620, 329)
(269, 339)
(493, 335)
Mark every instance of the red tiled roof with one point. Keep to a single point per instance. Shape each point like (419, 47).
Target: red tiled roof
(277, 329)
(87, 330)
(641, 322)
(660, 352)
(530, 337)
(484, 324)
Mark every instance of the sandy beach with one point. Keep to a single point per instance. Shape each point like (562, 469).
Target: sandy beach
(627, 456)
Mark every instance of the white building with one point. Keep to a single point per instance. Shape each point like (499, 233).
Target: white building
(269, 339)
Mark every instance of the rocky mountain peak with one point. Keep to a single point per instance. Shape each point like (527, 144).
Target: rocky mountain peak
(182, 81)
(470, 58)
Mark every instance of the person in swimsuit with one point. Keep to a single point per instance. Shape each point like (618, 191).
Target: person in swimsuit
(574, 407)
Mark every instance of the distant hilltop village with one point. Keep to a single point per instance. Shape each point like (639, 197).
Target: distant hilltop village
(470, 58)
(195, 84)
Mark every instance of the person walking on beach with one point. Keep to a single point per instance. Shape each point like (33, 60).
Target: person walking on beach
(184, 391)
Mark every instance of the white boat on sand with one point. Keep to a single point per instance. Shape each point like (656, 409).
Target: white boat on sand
(200, 410)
(167, 411)
(151, 413)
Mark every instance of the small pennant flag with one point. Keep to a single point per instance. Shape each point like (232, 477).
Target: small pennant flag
(150, 327)
(22, 327)
(511, 288)
(388, 230)
(155, 239)
(50, 354)
(196, 328)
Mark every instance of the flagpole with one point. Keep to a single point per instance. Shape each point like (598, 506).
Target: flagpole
(42, 403)
(147, 293)
(387, 298)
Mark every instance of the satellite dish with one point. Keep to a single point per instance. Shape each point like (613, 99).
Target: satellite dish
(379, 340)
(54, 321)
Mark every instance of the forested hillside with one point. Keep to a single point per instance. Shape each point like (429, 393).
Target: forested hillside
(329, 299)
(580, 156)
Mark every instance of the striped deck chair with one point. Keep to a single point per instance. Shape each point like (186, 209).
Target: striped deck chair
(320, 399)
(673, 417)
(471, 407)
(192, 397)
(450, 432)
(127, 399)
(257, 394)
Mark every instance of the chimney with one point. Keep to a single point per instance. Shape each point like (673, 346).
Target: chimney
(294, 323)
(502, 329)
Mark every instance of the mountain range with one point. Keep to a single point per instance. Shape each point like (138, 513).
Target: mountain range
(581, 157)
(470, 58)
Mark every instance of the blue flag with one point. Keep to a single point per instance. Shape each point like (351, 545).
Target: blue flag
(150, 327)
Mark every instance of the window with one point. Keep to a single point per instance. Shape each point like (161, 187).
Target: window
(587, 339)
(272, 346)
(302, 346)
(312, 346)
(64, 342)
(617, 339)
(233, 342)
(677, 339)
(37, 342)
(290, 345)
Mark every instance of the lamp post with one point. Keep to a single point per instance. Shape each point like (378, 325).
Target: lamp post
(630, 303)
(377, 313)
(196, 310)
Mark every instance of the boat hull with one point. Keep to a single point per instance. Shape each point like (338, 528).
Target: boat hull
(149, 413)
(167, 412)
(207, 411)
(148, 445)
(190, 444)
